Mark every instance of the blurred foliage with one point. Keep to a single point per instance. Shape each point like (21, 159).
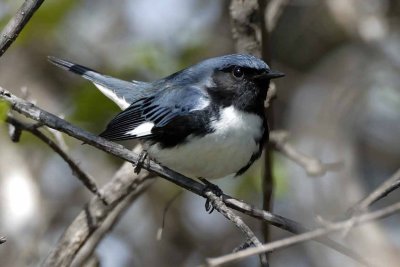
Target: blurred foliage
(192, 53)
(92, 107)
(156, 60)
(280, 175)
(251, 183)
(4, 108)
(47, 19)
(153, 59)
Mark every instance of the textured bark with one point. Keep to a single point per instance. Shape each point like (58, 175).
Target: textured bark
(17, 23)
(245, 18)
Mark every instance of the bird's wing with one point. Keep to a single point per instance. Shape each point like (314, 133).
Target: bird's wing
(121, 92)
(141, 118)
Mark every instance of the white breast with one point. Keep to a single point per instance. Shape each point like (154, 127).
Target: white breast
(218, 154)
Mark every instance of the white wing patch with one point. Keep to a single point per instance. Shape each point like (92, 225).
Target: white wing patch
(120, 101)
(141, 130)
(202, 104)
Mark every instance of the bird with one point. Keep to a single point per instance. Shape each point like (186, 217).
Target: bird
(206, 121)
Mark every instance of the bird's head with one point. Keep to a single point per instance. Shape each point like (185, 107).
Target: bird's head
(241, 80)
(237, 79)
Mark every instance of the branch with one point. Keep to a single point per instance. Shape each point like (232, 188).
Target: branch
(89, 246)
(3, 239)
(313, 167)
(382, 191)
(289, 225)
(59, 138)
(17, 23)
(118, 188)
(245, 26)
(223, 209)
(76, 170)
(271, 94)
(268, 180)
(283, 243)
(96, 218)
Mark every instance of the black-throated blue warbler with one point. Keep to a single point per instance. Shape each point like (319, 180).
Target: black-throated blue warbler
(206, 121)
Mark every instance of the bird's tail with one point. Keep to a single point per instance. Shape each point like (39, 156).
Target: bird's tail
(123, 93)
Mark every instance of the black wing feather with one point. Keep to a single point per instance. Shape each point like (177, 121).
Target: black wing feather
(160, 110)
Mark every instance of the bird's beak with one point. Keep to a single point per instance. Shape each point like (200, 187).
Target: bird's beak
(272, 74)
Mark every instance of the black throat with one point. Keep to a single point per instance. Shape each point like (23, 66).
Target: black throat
(245, 95)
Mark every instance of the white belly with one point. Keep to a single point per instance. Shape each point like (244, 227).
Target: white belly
(218, 154)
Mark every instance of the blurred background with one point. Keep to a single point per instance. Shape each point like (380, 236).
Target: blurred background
(340, 102)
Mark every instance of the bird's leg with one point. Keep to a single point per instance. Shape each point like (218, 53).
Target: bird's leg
(142, 157)
(213, 188)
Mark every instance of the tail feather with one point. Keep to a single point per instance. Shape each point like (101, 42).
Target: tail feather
(75, 68)
(121, 92)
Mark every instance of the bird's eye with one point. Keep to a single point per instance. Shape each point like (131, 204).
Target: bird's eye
(238, 72)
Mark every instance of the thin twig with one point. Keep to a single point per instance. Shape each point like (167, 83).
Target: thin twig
(35, 113)
(271, 94)
(3, 239)
(393, 187)
(17, 23)
(164, 216)
(59, 138)
(313, 167)
(76, 170)
(288, 225)
(219, 205)
(383, 190)
(366, 217)
(268, 180)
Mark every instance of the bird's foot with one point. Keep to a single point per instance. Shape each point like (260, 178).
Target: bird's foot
(142, 157)
(214, 189)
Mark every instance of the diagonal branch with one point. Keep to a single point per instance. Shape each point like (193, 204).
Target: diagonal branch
(289, 225)
(17, 23)
(383, 190)
(230, 215)
(76, 169)
(52, 121)
(290, 241)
